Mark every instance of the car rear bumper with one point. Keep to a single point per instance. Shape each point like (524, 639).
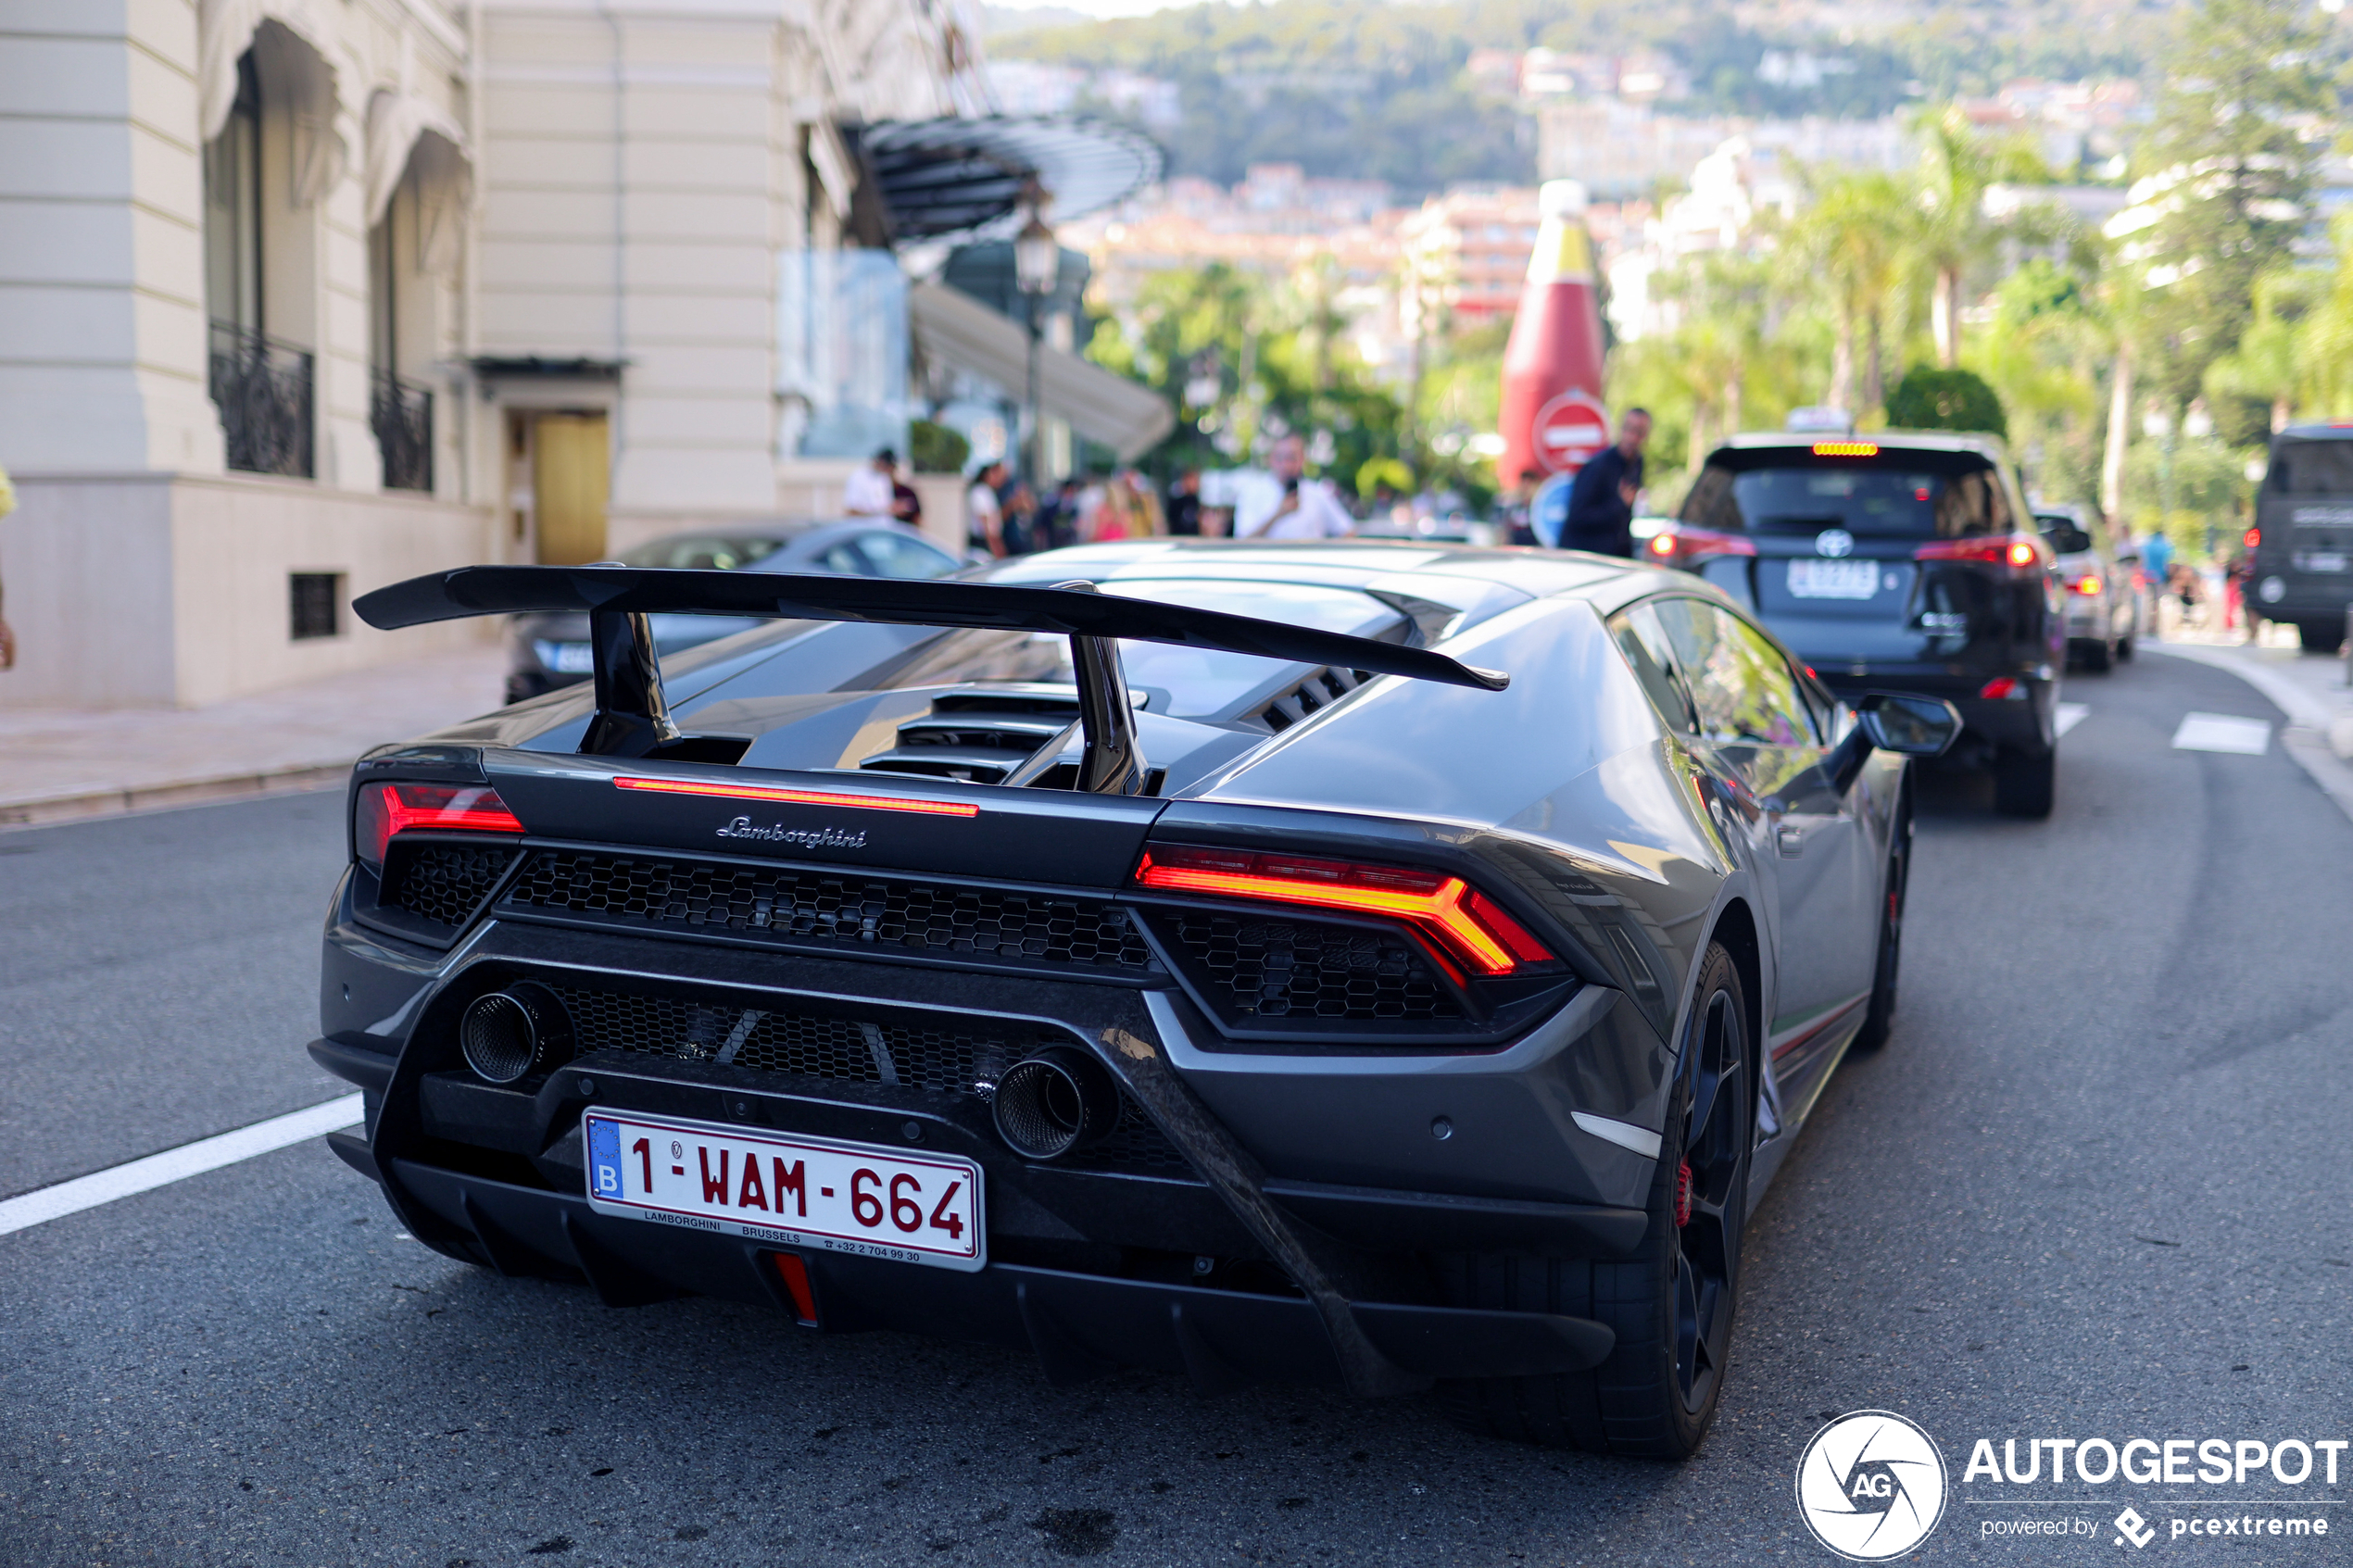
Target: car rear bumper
(1089, 1265)
(2026, 722)
(1078, 1325)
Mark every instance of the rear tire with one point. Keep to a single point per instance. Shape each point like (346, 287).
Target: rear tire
(2025, 784)
(2097, 657)
(1878, 1021)
(2321, 636)
(2124, 646)
(1671, 1303)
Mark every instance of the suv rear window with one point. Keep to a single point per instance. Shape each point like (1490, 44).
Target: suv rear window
(1897, 494)
(2311, 468)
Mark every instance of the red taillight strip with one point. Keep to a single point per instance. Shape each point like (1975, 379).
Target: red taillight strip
(1463, 920)
(385, 810)
(2018, 551)
(801, 796)
(1672, 543)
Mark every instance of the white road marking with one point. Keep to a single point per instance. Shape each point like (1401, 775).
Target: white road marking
(176, 1165)
(2070, 714)
(2217, 732)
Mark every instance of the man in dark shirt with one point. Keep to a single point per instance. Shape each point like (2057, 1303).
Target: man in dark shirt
(1601, 500)
(1183, 506)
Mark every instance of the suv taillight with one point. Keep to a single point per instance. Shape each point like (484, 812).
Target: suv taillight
(1460, 924)
(2019, 552)
(384, 809)
(1679, 546)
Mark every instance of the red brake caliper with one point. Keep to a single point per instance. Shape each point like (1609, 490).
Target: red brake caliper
(1682, 1195)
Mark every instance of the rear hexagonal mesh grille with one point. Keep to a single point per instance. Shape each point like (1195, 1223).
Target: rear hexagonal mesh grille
(446, 883)
(815, 908)
(840, 1049)
(1297, 970)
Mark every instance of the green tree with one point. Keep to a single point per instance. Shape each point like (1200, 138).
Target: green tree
(2227, 174)
(1849, 244)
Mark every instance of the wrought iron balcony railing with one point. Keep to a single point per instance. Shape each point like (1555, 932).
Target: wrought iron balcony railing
(401, 413)
(264, 390)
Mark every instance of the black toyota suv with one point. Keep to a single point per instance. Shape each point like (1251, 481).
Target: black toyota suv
(2303, 535)
(1903, 561)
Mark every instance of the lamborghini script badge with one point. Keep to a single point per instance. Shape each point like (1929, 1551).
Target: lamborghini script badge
(814, 838)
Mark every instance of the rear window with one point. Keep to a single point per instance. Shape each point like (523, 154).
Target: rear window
(2311, 468)
(1894, 494)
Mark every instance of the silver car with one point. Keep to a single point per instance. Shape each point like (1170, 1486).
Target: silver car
(2104, 600)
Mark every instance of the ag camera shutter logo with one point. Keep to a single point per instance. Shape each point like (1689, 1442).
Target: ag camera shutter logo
(1872, 1486)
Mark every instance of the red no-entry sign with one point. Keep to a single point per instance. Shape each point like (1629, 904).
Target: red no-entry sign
(1570, 430)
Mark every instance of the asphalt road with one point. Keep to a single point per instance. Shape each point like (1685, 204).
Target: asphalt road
(2097, 1185)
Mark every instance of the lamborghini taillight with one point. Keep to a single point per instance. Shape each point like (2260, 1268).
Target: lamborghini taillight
(385, 810)
(1464, 925)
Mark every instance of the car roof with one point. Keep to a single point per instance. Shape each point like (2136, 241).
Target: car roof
(2340, 432)
(1983, 444)
(1364, 564)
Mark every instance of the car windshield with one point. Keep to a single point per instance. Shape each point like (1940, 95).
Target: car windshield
(1893, 495)
(703, 552)
(1194, 680)
(2311, 468)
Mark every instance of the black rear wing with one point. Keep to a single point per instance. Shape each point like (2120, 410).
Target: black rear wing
(632, 717)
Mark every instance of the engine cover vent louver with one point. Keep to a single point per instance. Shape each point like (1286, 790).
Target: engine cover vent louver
(980, 736)
(1315, 692)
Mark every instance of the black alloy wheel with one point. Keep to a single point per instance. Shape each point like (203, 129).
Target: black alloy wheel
(1671, 1300)
(1711, 1199)
(1881, 1016)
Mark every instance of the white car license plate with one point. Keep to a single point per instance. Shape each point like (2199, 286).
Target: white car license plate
(2323, 560)
(1833, 579)
(793, 1191)
(567, 658)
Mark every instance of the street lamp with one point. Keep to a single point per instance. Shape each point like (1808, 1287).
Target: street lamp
(1037, 259)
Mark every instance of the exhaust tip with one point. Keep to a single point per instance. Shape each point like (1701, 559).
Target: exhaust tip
(1053, 1103)
(507, 1034)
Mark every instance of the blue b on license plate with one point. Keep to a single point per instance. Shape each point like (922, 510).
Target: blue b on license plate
(875, 1201)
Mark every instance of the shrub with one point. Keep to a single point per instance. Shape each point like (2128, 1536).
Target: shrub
(934, 448)
(1929, 398)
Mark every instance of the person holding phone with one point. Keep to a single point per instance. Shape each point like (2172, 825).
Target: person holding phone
(1293, 506)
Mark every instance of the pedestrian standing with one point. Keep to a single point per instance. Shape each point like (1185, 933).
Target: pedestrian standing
(871, 491)
(1518, 523)
(1184, 504)
(1601, 501)
(1290, 505)
(7, 638)
(2157, 558)
(984, 514)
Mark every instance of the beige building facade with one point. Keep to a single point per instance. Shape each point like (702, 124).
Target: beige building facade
(300, 297)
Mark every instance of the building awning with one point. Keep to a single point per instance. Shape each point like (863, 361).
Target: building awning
(1129, 419)
(964, 178)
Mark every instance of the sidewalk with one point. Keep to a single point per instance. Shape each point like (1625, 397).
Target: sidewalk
(58, 764)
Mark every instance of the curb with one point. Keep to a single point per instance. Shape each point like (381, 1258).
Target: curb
(2311, 732)
(168, 796)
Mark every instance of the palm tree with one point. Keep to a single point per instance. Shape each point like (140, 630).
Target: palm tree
(1950, 233)
(1851, 238)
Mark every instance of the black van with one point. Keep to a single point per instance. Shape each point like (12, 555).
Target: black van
(2303, 535)
(1903, 561)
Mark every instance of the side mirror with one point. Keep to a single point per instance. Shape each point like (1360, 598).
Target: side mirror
(1911, 726)
(1915, 726)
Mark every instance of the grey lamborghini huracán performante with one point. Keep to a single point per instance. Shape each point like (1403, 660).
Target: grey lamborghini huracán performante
(1395, 967)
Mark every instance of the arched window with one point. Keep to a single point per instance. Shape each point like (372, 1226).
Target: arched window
(262, 386)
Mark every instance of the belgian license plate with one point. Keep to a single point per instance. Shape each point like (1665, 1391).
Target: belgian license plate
(874, 1201)
(2323, 560)
(1833, 579)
